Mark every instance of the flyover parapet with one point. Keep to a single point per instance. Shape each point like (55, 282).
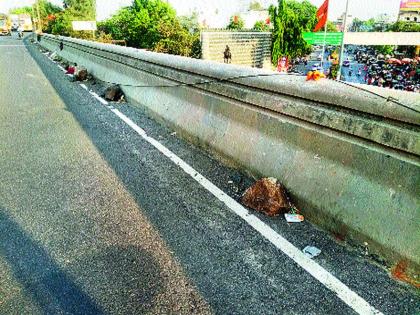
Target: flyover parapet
(349, 157)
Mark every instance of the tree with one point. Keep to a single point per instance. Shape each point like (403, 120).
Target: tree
(22, 10)
(255, 6)
(403, 26)
(236, 23)
(290, 19)
(356, 25)
(385, 49)
(153, 24)
(81, 9)
(261, 26)
(331, 27)
(305, 12)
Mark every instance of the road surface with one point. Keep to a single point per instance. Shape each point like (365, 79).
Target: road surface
(94, 219)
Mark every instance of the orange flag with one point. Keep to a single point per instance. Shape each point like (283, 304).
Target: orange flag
(322, 15)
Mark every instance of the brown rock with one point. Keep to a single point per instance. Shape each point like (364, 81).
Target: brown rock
(113, 93)
(267, 196)
(81, 74)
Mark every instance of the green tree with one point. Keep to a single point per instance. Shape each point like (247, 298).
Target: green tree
(153, 24)
(81, 9)
(22, 10)
(356, 25)
(261, 26)
(290, 19)
(385, 49)
(255, 6)
(236, 23)
(403, 26)
(305, 13)
(331, 27)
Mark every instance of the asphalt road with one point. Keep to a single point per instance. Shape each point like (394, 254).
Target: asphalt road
(95, 220)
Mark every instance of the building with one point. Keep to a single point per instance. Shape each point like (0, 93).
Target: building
(339, 23)
(409, 11)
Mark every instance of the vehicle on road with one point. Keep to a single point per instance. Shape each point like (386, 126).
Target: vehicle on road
(346, 63)
(5, 26)
(26, 21)
(14, 19)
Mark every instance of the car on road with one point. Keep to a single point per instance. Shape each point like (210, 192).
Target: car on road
(346, 63)
(4, 25)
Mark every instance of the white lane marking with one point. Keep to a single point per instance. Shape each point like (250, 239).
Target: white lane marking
(12, 46)
(100, 99)
(348, 296)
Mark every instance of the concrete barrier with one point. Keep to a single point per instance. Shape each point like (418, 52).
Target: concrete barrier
(349, 157)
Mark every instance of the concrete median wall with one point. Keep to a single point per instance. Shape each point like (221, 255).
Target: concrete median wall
(350, 158)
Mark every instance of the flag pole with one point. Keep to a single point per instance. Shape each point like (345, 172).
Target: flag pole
(325, 39)
(342, 43)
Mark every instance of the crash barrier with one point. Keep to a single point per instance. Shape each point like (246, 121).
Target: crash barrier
(350, 158)
(251, 49)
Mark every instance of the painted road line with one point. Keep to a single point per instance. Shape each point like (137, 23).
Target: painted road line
(348, 296)
(342, 291)
(100, 99)
(12, 46)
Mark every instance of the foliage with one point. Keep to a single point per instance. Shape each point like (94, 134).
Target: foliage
(261, 26)
(290, 20)
(236, 23)
(153, 24)
(385, 49)
(59, 22)
(81, 9)
(333, 71)
(305, 12)
(22, 10)
(255, 6)
(403, 26)
(190, 23)
(331, 27)
(363, 26)
(104, 38)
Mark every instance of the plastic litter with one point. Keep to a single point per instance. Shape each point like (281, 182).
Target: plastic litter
(311, 251)
(294, 217)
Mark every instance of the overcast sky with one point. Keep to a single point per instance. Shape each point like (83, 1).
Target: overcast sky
(363, 9)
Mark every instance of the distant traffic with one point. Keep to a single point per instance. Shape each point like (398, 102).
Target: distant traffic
(14, 22)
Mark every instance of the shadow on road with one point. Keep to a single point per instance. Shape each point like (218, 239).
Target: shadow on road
(50, 287)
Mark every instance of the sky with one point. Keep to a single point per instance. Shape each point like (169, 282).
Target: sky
(363, 9)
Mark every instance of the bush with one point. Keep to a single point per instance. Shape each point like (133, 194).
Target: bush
(236, 23)
(261, 26)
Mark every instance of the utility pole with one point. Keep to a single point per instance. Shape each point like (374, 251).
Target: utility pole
(325, 39)
(342, 43)
(39, 17)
